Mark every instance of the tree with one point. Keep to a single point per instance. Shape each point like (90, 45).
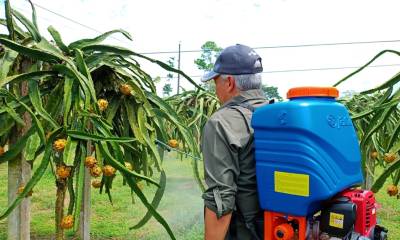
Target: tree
(209, 52)
(376, 117)
(167, 89)
(271, 92)
(348, 94)
(171, 63)
(90, 109)
(157, 80)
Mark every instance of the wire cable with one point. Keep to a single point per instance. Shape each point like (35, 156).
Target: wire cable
(313, 69)
(76, 22)
(283, 46)
(200, 50)
(264, 47)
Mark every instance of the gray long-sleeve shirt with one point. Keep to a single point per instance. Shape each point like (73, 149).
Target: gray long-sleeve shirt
(227, 147)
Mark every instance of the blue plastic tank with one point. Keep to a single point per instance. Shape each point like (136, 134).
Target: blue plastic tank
(306, 151)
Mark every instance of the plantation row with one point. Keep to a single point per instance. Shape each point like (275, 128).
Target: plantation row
(89, 107)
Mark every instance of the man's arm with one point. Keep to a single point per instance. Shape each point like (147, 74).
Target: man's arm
(216, 229)
(221, 168)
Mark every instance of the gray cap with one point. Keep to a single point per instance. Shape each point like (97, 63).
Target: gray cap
(235, 60)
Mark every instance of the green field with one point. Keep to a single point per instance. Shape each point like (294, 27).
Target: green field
(181, 206)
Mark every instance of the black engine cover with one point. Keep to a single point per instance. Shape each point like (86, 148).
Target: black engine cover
(338, 218)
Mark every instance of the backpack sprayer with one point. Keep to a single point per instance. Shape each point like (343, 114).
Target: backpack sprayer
(308, 167)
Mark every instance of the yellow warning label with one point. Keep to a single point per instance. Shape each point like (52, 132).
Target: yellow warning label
(292, 183)
(336, 220)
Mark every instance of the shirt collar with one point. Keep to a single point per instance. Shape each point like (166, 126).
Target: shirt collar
(246, 96)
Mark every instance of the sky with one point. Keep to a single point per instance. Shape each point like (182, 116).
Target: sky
(159, 26)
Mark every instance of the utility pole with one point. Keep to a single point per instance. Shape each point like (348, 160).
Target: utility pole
(179, 67)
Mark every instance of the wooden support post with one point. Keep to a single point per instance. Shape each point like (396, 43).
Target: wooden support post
(19, 173)
(179, 68)
(84, 223)
(19, 220)
(84, 228)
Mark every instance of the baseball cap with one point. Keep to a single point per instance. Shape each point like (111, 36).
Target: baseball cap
(235, 60)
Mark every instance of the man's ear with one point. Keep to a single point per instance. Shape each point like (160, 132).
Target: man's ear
(231, 83)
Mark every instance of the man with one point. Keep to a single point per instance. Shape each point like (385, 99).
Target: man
(231, 200)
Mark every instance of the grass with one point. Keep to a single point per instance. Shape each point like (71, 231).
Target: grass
(181, 206)
(389, 213)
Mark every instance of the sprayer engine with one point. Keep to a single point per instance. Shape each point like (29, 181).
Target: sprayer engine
(350, 215)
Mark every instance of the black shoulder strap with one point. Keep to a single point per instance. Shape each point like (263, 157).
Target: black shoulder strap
(251, 226)
(249, 107)
(240, 111)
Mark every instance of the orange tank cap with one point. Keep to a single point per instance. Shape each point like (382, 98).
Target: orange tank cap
(313, 92)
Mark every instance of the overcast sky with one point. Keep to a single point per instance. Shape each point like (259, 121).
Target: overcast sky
(159, 25)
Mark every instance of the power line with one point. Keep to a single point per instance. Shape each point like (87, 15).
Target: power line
(67, 18)
(316, 69)
(329, 44)
(264, 47)
(74, 21)
(45, 19)
(329, 68)
(284, 46)
(200, 50)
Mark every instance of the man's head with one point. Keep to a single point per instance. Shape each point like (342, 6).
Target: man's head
(236, 69)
